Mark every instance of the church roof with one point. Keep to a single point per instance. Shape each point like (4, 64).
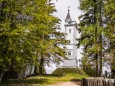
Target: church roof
(68, 17)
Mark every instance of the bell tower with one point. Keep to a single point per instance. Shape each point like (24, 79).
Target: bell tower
(71, 48)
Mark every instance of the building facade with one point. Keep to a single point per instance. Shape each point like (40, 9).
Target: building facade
(71, 48)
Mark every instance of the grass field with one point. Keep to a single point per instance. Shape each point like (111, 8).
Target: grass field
(45, 80)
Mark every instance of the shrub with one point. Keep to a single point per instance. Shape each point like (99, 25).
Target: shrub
(64, 71)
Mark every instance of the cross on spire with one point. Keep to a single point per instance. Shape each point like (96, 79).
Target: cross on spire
(68, 8)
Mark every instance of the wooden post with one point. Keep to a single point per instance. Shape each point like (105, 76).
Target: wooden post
(98, 82)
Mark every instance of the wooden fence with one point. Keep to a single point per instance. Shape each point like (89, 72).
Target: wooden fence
(98, 82)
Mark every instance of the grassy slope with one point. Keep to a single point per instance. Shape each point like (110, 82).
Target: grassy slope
(63, 71)
(47, 79)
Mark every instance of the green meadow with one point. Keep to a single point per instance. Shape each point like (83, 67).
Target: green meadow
(44, 80)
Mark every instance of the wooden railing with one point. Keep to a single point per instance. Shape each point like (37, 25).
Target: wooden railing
(98, 82)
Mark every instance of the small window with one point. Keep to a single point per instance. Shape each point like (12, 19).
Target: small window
(69, 53)
(69, 30)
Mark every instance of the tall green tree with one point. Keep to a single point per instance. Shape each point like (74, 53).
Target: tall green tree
(109, 6)
(92, 31)
(49, 38)
(16, 48)
(25, 34)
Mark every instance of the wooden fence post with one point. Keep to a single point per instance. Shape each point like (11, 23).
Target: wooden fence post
(97, 82)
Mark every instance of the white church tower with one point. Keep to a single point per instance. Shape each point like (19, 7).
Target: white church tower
(71, 48)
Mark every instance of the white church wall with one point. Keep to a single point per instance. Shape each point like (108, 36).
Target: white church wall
(69, 30)
(69, 64)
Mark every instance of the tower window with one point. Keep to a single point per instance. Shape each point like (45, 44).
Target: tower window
(69, 53)
(69, 30)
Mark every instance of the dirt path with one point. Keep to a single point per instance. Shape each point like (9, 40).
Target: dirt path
(70, 83)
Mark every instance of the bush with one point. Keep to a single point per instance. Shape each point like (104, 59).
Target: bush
(89, 71)
(64, 71)
(10, 75)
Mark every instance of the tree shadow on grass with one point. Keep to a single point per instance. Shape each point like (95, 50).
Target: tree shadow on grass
(29, 81)
(24, 82)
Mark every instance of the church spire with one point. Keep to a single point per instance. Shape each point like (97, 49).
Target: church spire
(68, 17)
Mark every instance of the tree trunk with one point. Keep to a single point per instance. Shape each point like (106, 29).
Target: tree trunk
(100, 59)
(96, 62)
(1, 76)
(35, 70)
(100, 37)
(96, 36)
(41, 66)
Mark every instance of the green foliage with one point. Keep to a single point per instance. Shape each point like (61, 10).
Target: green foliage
(64, 71)
(97, 32)
(25, 34)
(110, 31)
(88, 66)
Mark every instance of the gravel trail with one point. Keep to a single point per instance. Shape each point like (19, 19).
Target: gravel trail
(70, 83)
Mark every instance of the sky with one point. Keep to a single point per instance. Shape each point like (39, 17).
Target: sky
(62, 10)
